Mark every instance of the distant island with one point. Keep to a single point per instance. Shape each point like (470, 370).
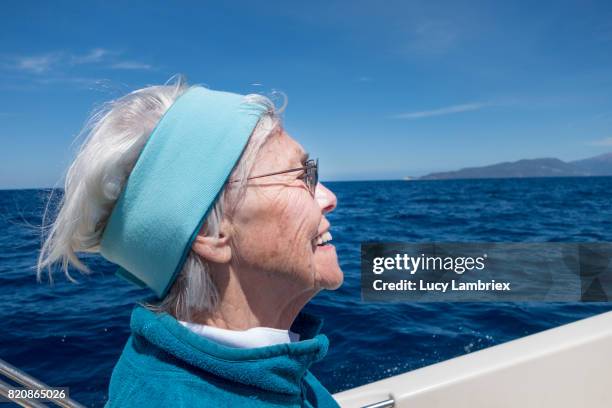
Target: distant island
(547, 167)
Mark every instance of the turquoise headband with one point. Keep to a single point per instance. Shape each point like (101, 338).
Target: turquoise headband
(175, 182)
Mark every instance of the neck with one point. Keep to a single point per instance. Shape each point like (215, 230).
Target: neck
(254, 299)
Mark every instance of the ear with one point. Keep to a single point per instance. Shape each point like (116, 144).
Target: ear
(214, 249)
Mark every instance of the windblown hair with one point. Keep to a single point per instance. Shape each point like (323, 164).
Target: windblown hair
(115, 136)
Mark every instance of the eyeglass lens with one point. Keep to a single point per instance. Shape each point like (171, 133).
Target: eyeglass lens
(313, 175)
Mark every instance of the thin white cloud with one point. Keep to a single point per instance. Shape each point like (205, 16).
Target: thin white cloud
(94, 55)
(433, 36)
(606, 141)
(57, 62)
(69, 80)
(467, 107)
(36, 64)
(131, 65)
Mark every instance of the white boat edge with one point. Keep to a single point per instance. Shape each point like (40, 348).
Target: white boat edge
(567, 366)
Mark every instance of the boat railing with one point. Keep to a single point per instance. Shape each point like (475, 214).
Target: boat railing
(7, 371)
(388, 403)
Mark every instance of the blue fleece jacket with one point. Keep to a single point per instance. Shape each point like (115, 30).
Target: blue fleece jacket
(165, 364)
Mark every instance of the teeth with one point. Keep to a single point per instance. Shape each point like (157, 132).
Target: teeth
(323, 238)
(326, 237)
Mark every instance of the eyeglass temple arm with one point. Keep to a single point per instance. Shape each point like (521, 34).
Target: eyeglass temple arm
(273, 174)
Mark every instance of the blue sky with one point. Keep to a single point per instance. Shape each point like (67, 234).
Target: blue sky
(375, 89)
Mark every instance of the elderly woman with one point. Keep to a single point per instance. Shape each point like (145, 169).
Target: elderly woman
(202, 197)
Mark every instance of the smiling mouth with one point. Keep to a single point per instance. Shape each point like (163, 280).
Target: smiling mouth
(323, 239)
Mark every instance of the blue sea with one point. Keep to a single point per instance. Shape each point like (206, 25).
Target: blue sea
(71, 335)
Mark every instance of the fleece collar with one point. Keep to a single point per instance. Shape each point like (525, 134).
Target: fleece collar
(278, 368)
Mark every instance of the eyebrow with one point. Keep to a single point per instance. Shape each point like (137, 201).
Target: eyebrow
(304, 157)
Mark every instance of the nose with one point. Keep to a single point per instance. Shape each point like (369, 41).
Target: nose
(326, 199)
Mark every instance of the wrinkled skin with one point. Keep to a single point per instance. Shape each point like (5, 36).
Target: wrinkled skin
(265, 263)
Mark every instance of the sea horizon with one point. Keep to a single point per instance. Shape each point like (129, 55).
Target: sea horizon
(377, 180)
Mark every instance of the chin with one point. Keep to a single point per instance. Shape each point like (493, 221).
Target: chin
(335, 285)
(328, 272)
(330, 279)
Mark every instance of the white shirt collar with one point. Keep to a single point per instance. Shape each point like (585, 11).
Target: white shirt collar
(251, 338)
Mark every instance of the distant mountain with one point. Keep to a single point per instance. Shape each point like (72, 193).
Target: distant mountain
(547, 167)
(596, 166)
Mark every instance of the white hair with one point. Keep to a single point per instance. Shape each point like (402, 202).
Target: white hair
(115, 136)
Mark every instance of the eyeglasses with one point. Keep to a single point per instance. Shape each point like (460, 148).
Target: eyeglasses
(311, 174)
